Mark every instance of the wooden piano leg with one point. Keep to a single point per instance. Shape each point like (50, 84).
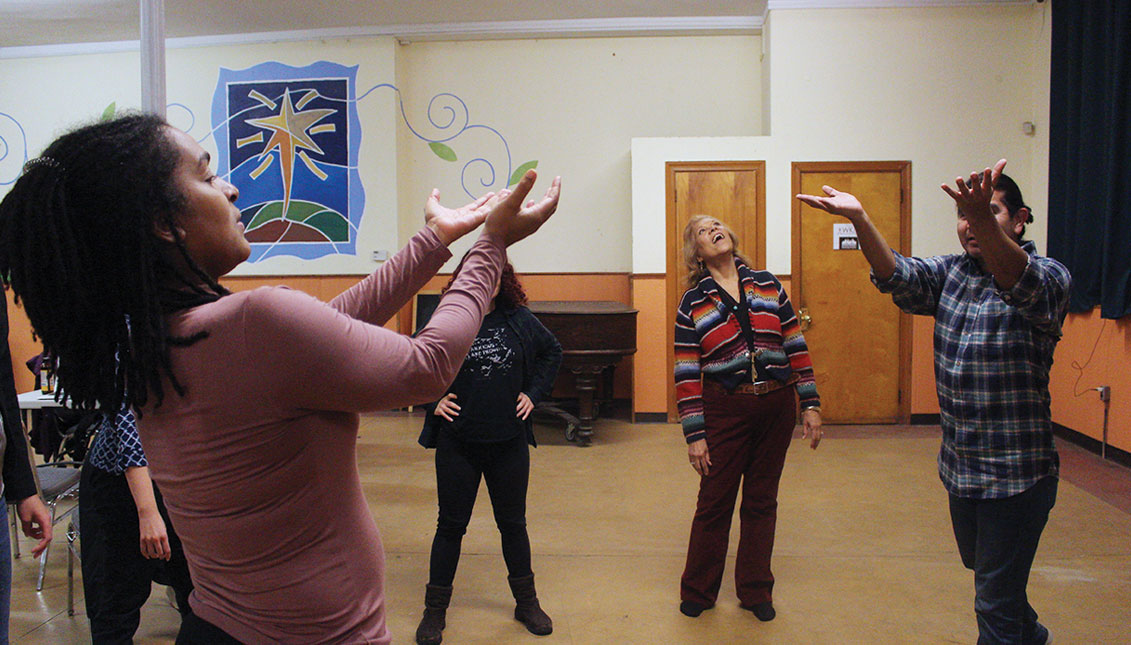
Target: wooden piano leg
(588, 378)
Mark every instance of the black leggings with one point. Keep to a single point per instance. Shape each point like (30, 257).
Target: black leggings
(459, 466)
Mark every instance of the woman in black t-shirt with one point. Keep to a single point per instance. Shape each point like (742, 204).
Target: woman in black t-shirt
(481, 429)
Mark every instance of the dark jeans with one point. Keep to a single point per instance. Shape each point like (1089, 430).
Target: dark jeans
(747, 438)
(997, 539)
(116, 578)
(5, 571)
(459, 466)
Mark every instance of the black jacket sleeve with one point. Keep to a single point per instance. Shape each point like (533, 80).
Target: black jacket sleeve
(19, 480)
(546, 360)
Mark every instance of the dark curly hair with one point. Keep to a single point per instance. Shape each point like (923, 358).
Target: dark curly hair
(79, 248)
(511, 294)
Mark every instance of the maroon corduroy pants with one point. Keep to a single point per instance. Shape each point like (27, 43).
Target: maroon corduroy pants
(747, 438)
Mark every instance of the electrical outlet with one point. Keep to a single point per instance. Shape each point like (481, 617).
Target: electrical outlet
(1105, 392)
(380, 256)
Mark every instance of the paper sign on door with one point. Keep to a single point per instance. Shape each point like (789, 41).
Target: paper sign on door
(844, 237)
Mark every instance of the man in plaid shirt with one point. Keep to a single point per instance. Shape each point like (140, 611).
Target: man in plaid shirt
(998, 312)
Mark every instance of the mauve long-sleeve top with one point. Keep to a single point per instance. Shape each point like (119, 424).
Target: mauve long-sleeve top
(257, 460)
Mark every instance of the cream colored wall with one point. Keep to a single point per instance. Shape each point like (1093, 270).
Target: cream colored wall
(882, 84)
(946, 88)
(574, 105)
(48, 96)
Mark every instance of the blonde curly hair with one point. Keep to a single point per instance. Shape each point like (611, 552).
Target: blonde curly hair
(695, 269)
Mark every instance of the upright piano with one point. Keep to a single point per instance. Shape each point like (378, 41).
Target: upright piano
(594, 335)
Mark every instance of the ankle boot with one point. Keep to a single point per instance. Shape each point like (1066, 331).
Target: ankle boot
(436, 600)
(526, 610)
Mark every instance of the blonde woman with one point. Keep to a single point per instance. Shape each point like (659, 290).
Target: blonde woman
(739, 360)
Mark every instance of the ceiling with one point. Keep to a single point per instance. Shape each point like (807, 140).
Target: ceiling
(57, 22)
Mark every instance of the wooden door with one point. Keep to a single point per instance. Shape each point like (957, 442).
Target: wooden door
(733, 192)
(858, 340)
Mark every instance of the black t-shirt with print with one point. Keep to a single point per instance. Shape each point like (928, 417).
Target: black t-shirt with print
(488, 384)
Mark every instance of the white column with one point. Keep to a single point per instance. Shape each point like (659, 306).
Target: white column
(153, 56)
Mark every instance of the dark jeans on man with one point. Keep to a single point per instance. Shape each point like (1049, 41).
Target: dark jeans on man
(997, 539)
(747, 438)
(116, 578)
(459, 467)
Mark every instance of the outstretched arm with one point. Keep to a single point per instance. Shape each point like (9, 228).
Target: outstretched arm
(872, 243)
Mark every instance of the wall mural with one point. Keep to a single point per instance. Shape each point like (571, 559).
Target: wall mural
(288, 138)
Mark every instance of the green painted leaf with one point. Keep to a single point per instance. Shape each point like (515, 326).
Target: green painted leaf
(331, 224)
(108, 113)
(443, 151)
(520, 171)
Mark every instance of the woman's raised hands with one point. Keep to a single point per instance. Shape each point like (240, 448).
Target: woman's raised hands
(451, 224)
(513, 221)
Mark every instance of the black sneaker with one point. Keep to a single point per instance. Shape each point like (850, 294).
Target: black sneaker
(764, 611)
(692, 609)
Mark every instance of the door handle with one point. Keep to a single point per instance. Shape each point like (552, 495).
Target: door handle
(804, 318)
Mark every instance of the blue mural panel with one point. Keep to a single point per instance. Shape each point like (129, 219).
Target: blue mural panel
(288, 139)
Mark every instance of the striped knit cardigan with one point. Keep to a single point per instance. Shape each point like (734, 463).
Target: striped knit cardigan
(708, 340)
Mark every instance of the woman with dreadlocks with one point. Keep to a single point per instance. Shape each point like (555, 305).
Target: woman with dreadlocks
(247, 402)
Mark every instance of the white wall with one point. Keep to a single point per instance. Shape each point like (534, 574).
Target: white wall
(573, 105)
(48, 96)
(946, 88)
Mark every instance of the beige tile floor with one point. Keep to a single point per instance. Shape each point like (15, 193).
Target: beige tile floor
(864, 549)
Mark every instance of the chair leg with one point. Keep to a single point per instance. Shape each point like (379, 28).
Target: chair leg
(70, 576)
(15, 533)
(43, 557)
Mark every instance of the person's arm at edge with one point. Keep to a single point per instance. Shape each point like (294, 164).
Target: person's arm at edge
(20, 485)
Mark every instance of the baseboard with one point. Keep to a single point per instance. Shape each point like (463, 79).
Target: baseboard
(1118, 455)
(650, 417)
(925, 419)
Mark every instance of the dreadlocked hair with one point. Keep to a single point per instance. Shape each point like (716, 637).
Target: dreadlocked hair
(511, 294)
(78, 247)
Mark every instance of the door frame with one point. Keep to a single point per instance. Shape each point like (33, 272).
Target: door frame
(905, 327)
(674, 244)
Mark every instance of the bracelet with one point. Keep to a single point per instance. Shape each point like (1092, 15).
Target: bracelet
(815, 408)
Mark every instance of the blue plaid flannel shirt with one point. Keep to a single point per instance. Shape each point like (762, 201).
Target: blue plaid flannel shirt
(116, 445)
(993, 351)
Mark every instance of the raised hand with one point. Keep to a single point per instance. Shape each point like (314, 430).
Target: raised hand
(973, 200)
(836, 202)
(451, 224)
(513, 221)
